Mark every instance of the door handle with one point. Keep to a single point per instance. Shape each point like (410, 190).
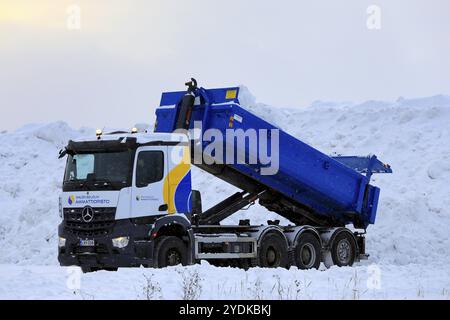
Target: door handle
(163, 207)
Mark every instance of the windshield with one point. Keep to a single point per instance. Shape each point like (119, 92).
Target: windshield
(111, 170)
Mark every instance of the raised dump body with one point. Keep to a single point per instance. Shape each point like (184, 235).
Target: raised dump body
(309, 186)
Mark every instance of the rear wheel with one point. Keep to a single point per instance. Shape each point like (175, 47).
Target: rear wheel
(307, 252)
(273, 252)
(343, 250)
(171, 251)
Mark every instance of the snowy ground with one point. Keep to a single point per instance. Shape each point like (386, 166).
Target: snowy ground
(409, 244)
(207, 282)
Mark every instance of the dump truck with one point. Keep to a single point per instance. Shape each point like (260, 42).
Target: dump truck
(127, 198)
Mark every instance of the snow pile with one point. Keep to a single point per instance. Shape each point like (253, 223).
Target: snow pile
(31, 176)
(411, 234)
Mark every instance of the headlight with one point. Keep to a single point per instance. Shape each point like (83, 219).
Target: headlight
(120, 242)
(61, 242)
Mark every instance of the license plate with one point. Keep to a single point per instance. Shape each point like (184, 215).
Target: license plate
(87, 243)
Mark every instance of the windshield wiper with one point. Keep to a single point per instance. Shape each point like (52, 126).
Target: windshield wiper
(94, 184)
(105, 182)
(78, 183)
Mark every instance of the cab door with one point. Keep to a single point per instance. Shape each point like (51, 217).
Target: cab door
(150, 171)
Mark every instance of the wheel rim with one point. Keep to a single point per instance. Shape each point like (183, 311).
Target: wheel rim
(272, 257)
(307, 255)
(344, 251)
(173, 257)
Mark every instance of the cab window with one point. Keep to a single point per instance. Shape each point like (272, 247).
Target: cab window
(150, 168)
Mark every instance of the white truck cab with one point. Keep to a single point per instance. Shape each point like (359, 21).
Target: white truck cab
(118, 181)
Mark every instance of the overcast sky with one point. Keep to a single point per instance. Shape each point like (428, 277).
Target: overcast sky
(112, 70)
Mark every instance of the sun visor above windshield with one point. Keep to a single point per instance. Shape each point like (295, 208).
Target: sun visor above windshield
(121, 144)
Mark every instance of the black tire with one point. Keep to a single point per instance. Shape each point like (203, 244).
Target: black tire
(343, 250)
(307, 253)
(86, 269)
(273, 252)
(170, 251)
(110, 269)
(245, 264)
(94, 269)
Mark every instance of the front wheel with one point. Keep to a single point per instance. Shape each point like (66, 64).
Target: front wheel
(171, 251)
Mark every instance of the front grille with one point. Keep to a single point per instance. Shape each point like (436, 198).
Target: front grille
(102, 222)
(101, 248)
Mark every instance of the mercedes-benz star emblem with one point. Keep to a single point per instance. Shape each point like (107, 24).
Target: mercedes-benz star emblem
(87, 214)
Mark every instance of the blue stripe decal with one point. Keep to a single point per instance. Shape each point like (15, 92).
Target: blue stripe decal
(183, 201)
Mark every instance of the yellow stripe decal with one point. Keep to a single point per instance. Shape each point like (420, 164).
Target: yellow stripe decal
(173, 179)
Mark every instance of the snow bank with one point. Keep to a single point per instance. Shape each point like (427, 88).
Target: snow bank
(413, 135)
(202, 281)
(57, 133)
(31, 178)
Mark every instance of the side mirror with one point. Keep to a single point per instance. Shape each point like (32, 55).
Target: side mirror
(196, 202)
(62, 153)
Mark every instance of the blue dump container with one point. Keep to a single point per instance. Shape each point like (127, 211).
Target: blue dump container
(330, 188)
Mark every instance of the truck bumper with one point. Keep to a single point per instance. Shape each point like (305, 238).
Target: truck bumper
(103, 254)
